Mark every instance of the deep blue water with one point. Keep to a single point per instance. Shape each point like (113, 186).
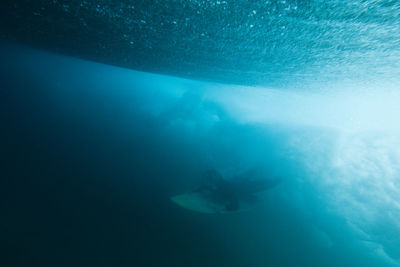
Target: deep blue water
(91, 155)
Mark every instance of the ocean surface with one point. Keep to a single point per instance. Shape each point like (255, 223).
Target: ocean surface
(95, 144)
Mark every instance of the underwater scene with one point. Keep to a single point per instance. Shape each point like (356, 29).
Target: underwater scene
(199, 133)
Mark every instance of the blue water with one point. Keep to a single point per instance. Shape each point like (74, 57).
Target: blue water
(91, 155)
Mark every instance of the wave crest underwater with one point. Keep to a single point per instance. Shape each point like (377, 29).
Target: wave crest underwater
(336, 151)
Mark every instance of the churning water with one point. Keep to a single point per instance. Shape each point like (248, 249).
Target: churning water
(91, 154)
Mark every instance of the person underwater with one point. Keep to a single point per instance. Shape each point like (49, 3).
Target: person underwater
(219, 195)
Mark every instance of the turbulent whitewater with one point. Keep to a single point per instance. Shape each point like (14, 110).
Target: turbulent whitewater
(200, 133)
